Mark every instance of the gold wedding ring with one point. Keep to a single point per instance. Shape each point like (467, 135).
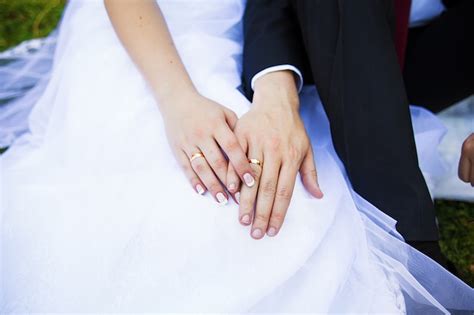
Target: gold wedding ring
(195, 156)
(257, 162)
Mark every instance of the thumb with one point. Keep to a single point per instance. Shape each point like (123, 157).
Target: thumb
(309, 175)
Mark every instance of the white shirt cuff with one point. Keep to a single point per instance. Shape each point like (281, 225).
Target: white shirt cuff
(299, 79)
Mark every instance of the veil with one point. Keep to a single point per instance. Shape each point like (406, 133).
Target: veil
(24, 74)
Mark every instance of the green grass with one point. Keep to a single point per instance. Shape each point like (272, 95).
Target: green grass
(25, 19)
(456, 222)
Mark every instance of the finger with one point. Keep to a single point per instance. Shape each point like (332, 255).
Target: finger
(236, 154)
(207, 177)
(233, 181)
(233, 177)
(265, 196)
(215, 159)
(190, 174)
(248, 195)
(247, 199)
(464, 170)
(309, 175)
(284, 191)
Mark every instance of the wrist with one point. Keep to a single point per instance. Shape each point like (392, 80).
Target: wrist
(176, 100)
(277, 89)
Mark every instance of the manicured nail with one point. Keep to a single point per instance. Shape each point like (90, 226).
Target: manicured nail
(231, 187)
(271, 231)
(257, 233)
(221, 198)
(245, 219)
(199, 189)
(237, 197)
(249, 180)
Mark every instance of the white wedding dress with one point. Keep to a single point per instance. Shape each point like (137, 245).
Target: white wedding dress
(96, 215)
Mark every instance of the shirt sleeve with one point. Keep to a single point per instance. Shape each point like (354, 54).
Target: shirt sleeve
(272, 38)
(297, 72)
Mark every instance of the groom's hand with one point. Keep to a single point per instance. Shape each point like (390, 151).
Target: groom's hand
(272, 132)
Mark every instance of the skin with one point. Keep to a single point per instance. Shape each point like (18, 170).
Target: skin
(466, 163)
(193, 122)
(272, 131)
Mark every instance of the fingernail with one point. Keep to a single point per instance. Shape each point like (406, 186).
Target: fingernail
(245, 219)
(249, 180)
(237, 197)
(271, 231)
(321, 194)
(231, 187)
(221, 198)
(257, 233)
(199, 189)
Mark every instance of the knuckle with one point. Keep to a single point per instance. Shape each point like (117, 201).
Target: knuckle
(242, 166)
(256, 171)
(214, 187)
(199, 167)
(246, 205)
(311, 173)
(231, 144)
(197, 133)
(278, 217)
(220, 164)
(268, 188)
(284, 193)
(294, 153)
(185, 166)
(262, 217)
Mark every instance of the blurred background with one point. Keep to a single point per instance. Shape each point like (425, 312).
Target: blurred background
(22, 20)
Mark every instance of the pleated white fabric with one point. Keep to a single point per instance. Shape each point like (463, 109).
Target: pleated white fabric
(96, 216)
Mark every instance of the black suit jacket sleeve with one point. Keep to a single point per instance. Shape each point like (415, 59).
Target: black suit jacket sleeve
(271, 37)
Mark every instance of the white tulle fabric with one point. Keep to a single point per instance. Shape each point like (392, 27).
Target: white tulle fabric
(96, 216)
(459, 120)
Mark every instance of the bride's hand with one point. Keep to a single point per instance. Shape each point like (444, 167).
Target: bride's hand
(195, 124)
(273, 133)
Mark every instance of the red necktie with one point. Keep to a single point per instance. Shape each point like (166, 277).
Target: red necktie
(402, 14)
